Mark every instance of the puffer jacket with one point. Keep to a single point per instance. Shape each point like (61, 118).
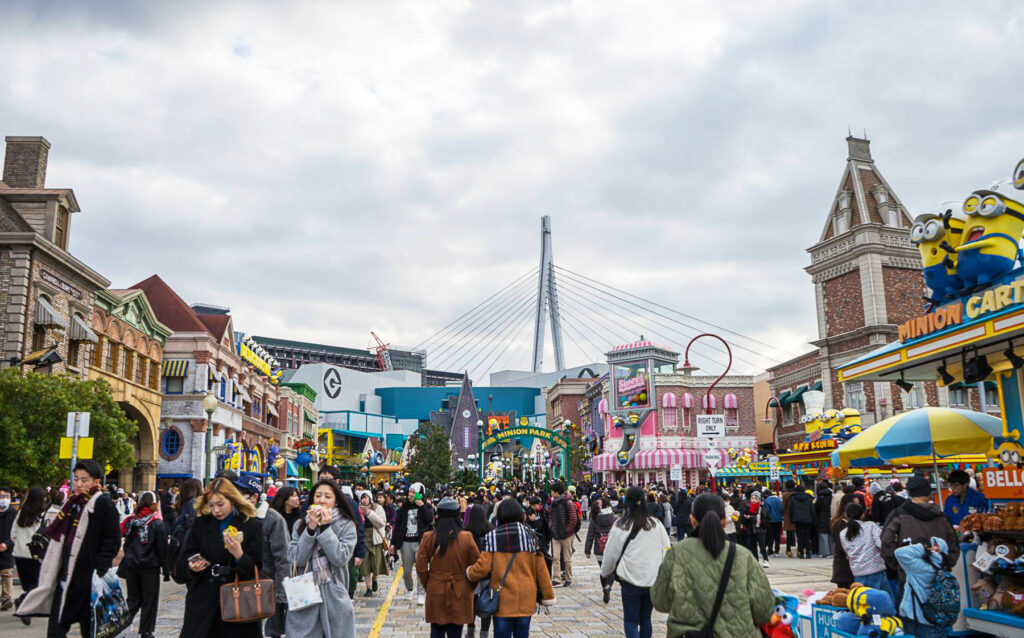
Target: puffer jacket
(602, 524)
(688, 581)
(801, 508)
(914, 521)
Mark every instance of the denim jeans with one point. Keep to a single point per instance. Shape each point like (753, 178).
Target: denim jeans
(921, 630)
(824, 544)
(518, 627)
(879, 581)
(636, 611)
(445, 631)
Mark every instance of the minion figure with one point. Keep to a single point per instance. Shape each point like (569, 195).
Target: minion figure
(827, 421)
(936, 238)
(989, 248)
(1018, 176)
(850, 424)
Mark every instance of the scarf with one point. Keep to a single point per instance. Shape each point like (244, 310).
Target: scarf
(66, 523)
(511, 538)
(321, 566)
(141, 522)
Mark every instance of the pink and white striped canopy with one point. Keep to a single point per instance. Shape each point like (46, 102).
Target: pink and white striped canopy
(687, 400)
(655, 459)
(709, 402)
(730, 402)
(602, 407)
(668, 400)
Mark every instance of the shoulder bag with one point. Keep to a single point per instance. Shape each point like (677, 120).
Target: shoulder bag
(486, 603)
(248, 600)
(708, 630)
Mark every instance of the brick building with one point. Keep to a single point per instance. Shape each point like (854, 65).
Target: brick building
(129, 356)
(47, 294)
(298, 418)
(867, 280)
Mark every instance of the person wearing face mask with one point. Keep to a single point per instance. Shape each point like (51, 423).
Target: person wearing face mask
(84, 539)
(7, 515)
(226, 540)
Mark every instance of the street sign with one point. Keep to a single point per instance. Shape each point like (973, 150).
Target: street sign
(773, 468)
(712, 443)
(83, 424)
(711, 425)
(218, 449)
(84, 447)
(712, 458)
(676, 474)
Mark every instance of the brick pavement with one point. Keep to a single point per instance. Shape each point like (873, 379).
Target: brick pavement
(578, 613)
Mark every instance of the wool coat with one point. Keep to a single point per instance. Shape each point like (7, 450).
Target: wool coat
(96, 542)
(335, 616)
(275, 552)
(688, 582)
(377, 519)
(448, 590)
(529, 574)
(202, 603)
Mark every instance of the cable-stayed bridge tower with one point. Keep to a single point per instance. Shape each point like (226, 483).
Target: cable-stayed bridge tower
(547, 301)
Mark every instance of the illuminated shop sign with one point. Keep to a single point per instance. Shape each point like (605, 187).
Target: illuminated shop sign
(632, 386)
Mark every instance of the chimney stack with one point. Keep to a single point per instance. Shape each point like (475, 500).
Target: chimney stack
(860, 149)
(25, 161)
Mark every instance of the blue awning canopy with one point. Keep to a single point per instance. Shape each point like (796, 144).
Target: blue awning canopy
(291, 469)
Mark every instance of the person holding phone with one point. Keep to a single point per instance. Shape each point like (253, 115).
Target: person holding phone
(225, 541)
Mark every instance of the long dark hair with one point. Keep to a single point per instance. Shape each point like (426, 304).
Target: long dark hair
(636, 511)
(32, 508)
(281, 498)
(477, 523)
(853, 512)
(190, 489)
(709, 510)
(446, 531)
(340, 501)
(595, 506)
(148, 499)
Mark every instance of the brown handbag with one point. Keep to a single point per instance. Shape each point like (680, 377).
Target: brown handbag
(248, 600)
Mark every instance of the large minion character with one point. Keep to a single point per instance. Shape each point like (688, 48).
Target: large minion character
(989, 247)
(850, 424)
(828, 420)
(936, 238)
(1018, 176)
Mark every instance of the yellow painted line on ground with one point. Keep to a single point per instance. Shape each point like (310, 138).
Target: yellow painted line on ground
(383, 614)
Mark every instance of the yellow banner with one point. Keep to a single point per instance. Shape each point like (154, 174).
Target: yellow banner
(84, 447)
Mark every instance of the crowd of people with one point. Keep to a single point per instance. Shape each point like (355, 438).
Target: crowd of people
(452, 544)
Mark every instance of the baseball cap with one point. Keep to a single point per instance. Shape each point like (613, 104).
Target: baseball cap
(249, 484)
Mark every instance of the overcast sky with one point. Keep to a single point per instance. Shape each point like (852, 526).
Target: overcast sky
(327, 169)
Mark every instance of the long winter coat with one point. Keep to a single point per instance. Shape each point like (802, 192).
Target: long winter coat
(335, 617)
(96, 542)
(275, 552)
(688, 581)
(529, 574)
(449, 592)
(202, 603)
(601, 524)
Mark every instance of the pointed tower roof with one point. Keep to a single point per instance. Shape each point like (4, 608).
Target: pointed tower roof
(464, 417)
(864, 196)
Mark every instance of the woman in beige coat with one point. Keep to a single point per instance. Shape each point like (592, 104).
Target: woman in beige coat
(374, 520)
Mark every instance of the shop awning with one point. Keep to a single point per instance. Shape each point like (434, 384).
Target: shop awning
(47, 316)
(272, 410)
(817, 386)
(290, 468)
(309, 416)
(212, 374)
(174, 368)
(795, 396)
(43, 357)
(784, 396)
(81, 332)
(604, 462)
(241, 391)
(960, 385)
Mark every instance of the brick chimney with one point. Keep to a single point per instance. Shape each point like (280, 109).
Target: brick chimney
(25, 161)
(860, 149)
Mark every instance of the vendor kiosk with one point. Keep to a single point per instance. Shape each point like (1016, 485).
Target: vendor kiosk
(972, 333)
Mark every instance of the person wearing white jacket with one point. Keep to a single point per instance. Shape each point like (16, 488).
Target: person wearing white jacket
(635, 548)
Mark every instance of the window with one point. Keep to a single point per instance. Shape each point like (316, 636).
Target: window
(991, 399)
(256, 407)
(97, 353)
(129, 363)
(842, 223)
(73, 353)
(60, 228)
(171, 444)
(110, 357)
(853, 395)
(154, 375)
(140, 372)
(686, 419)
(38, 337)
(894, 218)
(668, 418)
(223, 387)
(174, 385)
(913, 399)
(957, 397)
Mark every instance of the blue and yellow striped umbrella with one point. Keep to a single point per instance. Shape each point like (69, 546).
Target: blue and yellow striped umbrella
(915, 437)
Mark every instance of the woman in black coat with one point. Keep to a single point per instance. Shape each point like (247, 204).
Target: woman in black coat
(217, 557)
(145, 547)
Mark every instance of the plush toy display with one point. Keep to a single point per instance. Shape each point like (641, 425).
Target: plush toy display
(785, 622)
(1012, 599)
(983, 591)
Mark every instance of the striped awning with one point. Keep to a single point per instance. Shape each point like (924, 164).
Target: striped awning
(730, 402)
(81, 332)
(174, 368)
(687, 400)
(709, 402)
(272, 410)
(241, 391)
(47, 316)
(309, 416)
(654, 459)
(603, 462)
(668, 400)
(602, 406)
(212, 374)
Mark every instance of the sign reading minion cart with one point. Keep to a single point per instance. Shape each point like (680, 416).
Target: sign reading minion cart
(974, 324)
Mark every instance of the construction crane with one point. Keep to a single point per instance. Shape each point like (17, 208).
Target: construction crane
(383, 356)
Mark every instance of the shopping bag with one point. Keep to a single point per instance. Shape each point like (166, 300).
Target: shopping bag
(109, 610)
(301, 591)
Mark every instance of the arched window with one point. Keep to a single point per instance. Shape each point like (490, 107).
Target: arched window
(731, 405)
(669, 411)
(687, 410)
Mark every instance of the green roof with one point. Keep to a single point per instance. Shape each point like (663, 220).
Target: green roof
(303, 389)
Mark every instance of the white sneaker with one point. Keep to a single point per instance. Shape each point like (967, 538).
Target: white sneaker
(410, 594)
(420, 600)
(764, 563)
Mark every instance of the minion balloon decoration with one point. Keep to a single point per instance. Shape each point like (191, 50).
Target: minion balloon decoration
(994, 227)
(936, 237)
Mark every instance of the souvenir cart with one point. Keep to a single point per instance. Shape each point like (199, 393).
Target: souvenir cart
(972, 332)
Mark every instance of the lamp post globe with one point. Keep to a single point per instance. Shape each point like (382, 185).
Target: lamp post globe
(209, 406)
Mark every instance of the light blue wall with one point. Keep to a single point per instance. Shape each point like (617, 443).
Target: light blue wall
(418, 403)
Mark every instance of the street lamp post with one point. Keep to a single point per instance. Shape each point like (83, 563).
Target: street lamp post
(707, 402)
(480, 448)
(209, 406)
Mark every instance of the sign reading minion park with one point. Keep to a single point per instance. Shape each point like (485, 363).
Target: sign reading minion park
(522, 432)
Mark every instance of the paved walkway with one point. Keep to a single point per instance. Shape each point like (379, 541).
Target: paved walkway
(579, 612)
